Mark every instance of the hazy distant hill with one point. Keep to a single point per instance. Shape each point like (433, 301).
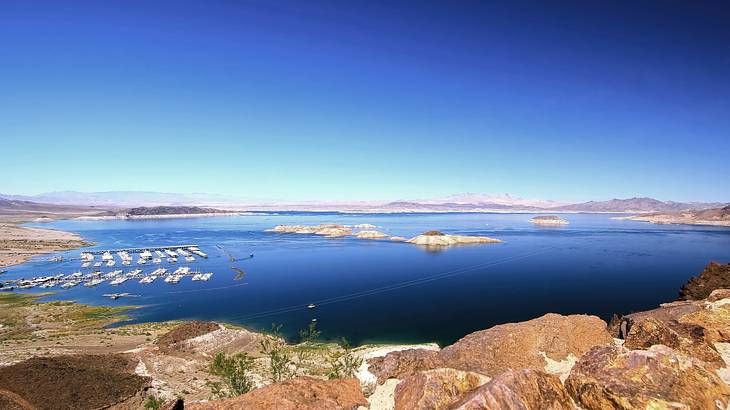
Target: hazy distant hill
(634, 205)
(467, 202)
(125, 198)
(17, 210)
(714, 216)
(171, 210)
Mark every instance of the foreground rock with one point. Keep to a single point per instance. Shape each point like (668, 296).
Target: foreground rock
(690, 327)
(715, 276)
(73, 382)
(518, 389)
(614, 377)
(436, 238)
(435, 389)
(537, 343)
(550, 220)
(302, 393)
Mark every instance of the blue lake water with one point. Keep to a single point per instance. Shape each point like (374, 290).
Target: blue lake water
(382, 291)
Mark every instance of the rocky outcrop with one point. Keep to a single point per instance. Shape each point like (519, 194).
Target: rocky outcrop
(715, 276)
(438, 239)
(186, 331)
(435, 389)
(518, 389)
(403, 363)
(330, 230)
(686, 338)
(73, 382)
(371, 235)
(551, 220)
(533, 344)
(613, 377)
(302, 393)
(690, 327)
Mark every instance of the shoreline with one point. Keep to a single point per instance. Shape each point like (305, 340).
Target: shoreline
(19, 244)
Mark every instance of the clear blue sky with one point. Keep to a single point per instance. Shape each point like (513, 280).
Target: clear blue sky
(366, 100)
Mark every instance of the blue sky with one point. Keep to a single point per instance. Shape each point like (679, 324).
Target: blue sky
(367, 100)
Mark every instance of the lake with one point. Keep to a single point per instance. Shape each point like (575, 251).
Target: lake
(383, 291)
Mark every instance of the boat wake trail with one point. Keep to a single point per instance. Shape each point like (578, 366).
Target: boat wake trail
(395, 286)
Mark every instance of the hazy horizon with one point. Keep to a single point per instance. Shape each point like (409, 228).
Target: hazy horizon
(367, 101)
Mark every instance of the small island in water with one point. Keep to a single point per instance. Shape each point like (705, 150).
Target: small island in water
(430, 238)
(549, 220)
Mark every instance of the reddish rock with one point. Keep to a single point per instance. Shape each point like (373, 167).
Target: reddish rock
(522, 345)
(683, 337)
(302, 393)
(435, 389)
(509, 346)
(715, 276)
(403, 363)
(614, 377)
(518, 389)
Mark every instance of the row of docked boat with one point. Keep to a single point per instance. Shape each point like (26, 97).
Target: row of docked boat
(115, 278)
(171, 256)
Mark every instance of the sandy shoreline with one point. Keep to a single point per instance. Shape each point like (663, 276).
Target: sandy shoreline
(19, 243)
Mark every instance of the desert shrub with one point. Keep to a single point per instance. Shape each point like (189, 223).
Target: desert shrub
(235, 374)
(344, 364)
(275, 348)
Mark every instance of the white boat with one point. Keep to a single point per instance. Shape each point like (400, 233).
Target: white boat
(85, 256)
(148, 279)
(170, 253)
(126, 262)
(183, 252)
(111, 263)
(70, 284)
(119, 280)
(107, 256)
(190, 259)
(173, 279)
(93, 282)
(141, 261)
(172, 260)
(202, 276)
(97, 264)
(86, 264)
(157, 261)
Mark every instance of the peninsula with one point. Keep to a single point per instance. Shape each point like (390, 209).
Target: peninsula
(714, 216)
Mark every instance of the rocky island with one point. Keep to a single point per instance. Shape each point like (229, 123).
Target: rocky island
(551, 220)
(428, 239)
(438, 239)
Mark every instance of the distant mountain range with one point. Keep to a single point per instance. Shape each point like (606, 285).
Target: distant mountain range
(468, 202)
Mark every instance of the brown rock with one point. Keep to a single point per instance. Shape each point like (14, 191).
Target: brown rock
(714, 320)
(185, 331)
(403, 363)
(522, 345)
(518, 389)
(302, 393)
(510, 346)
(683, 337)
(614, 377)
(715, 276)
(73, 382)
(435, 389)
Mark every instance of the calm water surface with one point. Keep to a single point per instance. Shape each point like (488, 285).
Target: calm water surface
(381, 291)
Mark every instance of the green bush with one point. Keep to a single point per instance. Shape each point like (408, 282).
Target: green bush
(235, 373)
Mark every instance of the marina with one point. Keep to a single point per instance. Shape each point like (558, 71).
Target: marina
(118, 277)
